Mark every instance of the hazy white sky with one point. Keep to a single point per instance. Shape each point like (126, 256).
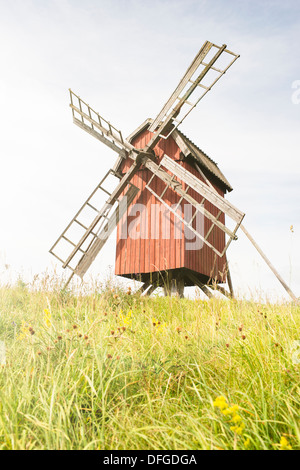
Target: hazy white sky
(125, 57)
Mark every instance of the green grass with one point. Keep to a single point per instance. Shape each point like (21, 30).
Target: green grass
(80, 383)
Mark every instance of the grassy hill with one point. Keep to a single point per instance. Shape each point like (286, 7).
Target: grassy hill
(113, 370)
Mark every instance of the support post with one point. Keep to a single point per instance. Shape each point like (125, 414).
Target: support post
(144, 287)
(206, 290)
(151, 289)
(223, 291)
(203, 287)
(174, 286)
(229, 282)
(286, 287)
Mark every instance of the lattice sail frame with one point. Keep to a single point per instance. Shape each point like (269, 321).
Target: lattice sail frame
(174, 179)
(190, 84)
(84, 248)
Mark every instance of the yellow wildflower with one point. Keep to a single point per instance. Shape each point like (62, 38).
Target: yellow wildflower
(238, 429)
(232, 410)
(236, 419)
(284, 445)
(47, 317)
(247, 443)
(232, 413)
(220, 402)
(126, 320)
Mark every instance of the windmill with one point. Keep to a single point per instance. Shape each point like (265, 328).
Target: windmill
(159, 167)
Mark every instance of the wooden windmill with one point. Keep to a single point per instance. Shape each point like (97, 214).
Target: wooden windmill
(167, 199)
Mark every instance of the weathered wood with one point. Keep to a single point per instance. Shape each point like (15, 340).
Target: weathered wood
(206, 291)
(151, 289)
(69, 280)
(183, 82)
(223, 291)
(286, 287)
(202, 188)
(75, 218)
(189, 226)
(172, 110)
(198, 283)
(177, 187)
(107, 207)
(229, 281)
(144, 287)
(99, 241)
(105, 127)
(99, 136)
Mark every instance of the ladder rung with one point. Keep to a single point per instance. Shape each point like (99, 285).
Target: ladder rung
(186, 102)
(199, 84)
(165, 190)
(62, 261)
(102, 189)
(54, 254)
(79, 223)
(72, 243)
(83, 226)
(213, 68)
(193, 216)
(92, 207)
(182, 197)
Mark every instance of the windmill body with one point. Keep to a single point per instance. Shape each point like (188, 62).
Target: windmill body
(161, 250)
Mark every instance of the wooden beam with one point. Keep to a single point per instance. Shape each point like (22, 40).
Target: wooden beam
(151, 289)
(286, 287)
(206, 291)
(180, 87)
(223, 291)
(198, 283)
(203, 189)
(99, 241)
(144, 287)
(229, 282)
(176, 186)
(100, 137)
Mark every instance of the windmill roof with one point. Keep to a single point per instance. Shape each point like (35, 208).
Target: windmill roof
(188, 148)
(204, 160)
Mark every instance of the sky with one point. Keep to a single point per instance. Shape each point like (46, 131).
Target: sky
(125, 58)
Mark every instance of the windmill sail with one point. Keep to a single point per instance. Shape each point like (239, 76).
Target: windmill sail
(74, 246)
(192, 81)
(100, 239)
(91, 121)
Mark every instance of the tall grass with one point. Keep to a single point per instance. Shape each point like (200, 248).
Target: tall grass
(109, 369)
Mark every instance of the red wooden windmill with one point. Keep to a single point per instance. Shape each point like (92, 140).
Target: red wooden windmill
(168, 199)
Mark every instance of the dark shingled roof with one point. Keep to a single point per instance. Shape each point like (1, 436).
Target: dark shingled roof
(190, 149)
(204, 160)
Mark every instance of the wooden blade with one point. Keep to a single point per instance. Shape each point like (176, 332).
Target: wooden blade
(203, 189)
(91, 121)
(183, 82)
(169, 117)
(102, 237)
(98, 220)
(174, 179)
